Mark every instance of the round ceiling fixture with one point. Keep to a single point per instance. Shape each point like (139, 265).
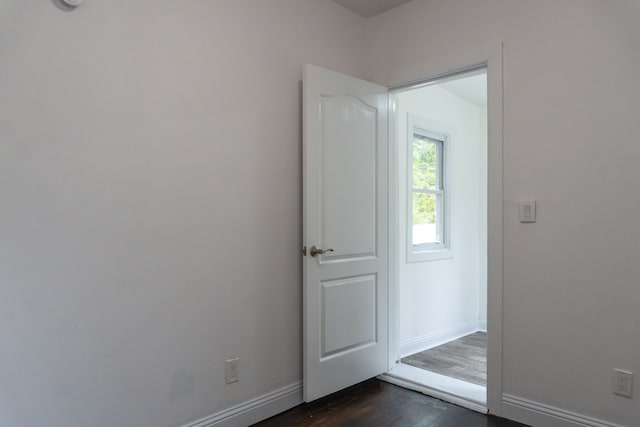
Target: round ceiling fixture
(72, 3)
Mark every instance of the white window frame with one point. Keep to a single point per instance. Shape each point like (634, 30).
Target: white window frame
(437, 250)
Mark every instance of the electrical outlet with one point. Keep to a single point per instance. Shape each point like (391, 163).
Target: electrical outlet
(231, 370)
(622, 382)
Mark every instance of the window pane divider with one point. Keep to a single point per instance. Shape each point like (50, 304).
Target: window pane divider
(426, 191)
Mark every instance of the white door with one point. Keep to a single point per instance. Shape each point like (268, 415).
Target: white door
(344, 215)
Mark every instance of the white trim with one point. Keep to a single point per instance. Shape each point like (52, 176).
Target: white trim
(454, 398)
(489, 56)
(482, 326)
(494, 230)
(437, 338)
(443, 385)
(393, 234)
(430, 251)
(254, 410)
(539, 414)
(440, 67)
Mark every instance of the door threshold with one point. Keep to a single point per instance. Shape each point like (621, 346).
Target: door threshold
(461, 393)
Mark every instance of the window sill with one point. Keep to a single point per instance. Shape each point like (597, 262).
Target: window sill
(432, 255)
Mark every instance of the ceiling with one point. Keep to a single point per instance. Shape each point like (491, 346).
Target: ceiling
(472, 88)
(369, 8)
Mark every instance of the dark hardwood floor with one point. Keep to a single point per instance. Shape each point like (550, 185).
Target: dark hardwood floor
(376, 403)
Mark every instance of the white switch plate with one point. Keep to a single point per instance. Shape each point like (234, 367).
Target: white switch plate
(527, 211)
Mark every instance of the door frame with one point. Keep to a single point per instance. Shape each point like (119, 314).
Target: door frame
(489, 57)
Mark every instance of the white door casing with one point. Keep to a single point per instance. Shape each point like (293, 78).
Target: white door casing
(345, 291)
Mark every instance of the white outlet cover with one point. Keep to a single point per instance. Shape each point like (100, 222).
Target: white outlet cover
(231, 370)
(622, 382)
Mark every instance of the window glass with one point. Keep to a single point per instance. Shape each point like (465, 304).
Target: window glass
(426, 190)
(428, 229)
(424, 162)
(424, 218)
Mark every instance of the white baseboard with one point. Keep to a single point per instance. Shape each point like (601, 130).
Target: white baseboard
(254, 410)
(482, 326)
(540, 415)
(437, 338)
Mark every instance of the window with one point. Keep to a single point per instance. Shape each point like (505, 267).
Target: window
(427, 232)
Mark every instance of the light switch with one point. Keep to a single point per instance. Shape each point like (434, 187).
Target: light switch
(527, 210)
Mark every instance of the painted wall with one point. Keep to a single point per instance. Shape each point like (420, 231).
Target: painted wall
(150, 149)
(571, 102)
(440, 295)
(150, 222)
(482, 212)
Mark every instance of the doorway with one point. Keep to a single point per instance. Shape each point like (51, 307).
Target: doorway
(439, 132)
(350, 315)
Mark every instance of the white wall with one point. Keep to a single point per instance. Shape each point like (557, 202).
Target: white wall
(150, 152)
(439, 295)
(482, 241)
(150, 219)
(571, 102)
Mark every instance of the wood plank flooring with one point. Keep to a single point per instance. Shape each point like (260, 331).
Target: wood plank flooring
(374, 403)
(464, 359)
